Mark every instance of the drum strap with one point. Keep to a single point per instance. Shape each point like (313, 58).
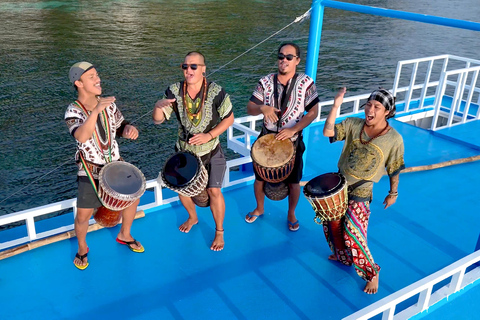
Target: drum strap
(90, 177)
(356, 185)
(285, 97)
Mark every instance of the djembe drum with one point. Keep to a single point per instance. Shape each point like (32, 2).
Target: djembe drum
(202, 199)
(273, 159)
(327, 194)
(185, 174)
(276, 191)
(120, 184)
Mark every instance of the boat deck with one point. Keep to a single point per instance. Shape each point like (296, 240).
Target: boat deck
(265, 271)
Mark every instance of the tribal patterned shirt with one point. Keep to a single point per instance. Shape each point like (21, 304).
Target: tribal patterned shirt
(216, 108)
(95, 151)
(367, 162)
(304, 96)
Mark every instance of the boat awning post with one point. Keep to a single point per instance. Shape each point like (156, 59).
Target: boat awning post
(313, 50)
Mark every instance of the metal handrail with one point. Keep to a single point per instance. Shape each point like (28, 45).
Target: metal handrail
(424, 288)
(455, 112)
(28, 216)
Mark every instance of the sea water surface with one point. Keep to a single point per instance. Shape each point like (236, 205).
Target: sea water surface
(138, 46)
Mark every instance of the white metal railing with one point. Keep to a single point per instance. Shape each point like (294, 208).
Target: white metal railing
(458, 112)
(424, 288)
(28, 216)
(451, 65)
(242, 142)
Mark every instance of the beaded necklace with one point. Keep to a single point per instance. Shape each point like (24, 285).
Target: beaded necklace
(202, 103)
(378, 135)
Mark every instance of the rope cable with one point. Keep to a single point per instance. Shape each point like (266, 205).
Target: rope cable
(35, 180)
(297, 19)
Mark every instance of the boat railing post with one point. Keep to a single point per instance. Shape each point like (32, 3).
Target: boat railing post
(426, 84)
(438, 98)
(32, 234)
(411, 87)
(396, 81)
(157, 190)
(315, 35)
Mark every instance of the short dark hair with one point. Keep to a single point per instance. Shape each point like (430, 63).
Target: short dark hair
(196, 53)
(297, 48)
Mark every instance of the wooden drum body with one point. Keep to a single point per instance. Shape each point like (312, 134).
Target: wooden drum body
(328, 196)
(273, 159)
(185, 174)
(276, 191)
(107, 218)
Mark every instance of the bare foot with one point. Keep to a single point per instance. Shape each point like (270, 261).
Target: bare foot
(187, 225)
(332, 257)
(372, 286)
(218, 243)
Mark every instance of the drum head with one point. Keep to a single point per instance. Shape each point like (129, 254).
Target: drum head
(324, 184)
(270, 152)
(123, 178)
(180, 169)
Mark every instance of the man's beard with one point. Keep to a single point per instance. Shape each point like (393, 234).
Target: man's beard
(282, 72)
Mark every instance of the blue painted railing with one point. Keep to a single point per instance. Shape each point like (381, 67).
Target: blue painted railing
(316, 21)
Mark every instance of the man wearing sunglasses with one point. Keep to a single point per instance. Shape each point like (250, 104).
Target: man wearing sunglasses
(283, 98)
(204, 111)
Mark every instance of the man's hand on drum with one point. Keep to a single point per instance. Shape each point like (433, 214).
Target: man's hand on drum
(286, 133)
(200, 138)
(389, 200)
(164, 103)
(269, 113)
(104, 102)
(130, 132)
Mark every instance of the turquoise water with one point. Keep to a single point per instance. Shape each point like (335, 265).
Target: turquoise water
(138, 46)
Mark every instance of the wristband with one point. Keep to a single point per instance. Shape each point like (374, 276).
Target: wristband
(393, 194)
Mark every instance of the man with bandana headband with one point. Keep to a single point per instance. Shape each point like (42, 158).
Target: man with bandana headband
(371, 147)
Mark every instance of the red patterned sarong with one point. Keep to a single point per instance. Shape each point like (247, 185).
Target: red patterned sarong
(347, 239)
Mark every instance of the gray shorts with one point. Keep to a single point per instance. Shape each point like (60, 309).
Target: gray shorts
(216, 168)
(87, 198)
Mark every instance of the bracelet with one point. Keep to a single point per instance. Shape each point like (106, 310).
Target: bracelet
(393, 194)
(210, 135)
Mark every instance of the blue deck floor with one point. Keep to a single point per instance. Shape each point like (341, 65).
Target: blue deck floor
(265, 271)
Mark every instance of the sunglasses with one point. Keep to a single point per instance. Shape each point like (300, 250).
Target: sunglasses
(193, 66)
(289, 57)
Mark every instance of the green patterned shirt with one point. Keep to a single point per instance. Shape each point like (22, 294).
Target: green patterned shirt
(367, 162)
(217, 107)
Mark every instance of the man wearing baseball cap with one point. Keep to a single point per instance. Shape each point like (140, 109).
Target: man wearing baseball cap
(94, 122)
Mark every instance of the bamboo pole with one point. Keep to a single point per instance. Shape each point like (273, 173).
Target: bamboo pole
(441, 164)
(430, 166)
(59, 237)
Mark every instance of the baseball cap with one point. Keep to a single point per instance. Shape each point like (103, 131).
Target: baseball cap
(78, 69)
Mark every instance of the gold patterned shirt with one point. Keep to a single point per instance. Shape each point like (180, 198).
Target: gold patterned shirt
(364, 164)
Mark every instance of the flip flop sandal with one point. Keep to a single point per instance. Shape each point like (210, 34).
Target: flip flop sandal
(81, 257)
(293, 226)
(250, 215)
(130, 243)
